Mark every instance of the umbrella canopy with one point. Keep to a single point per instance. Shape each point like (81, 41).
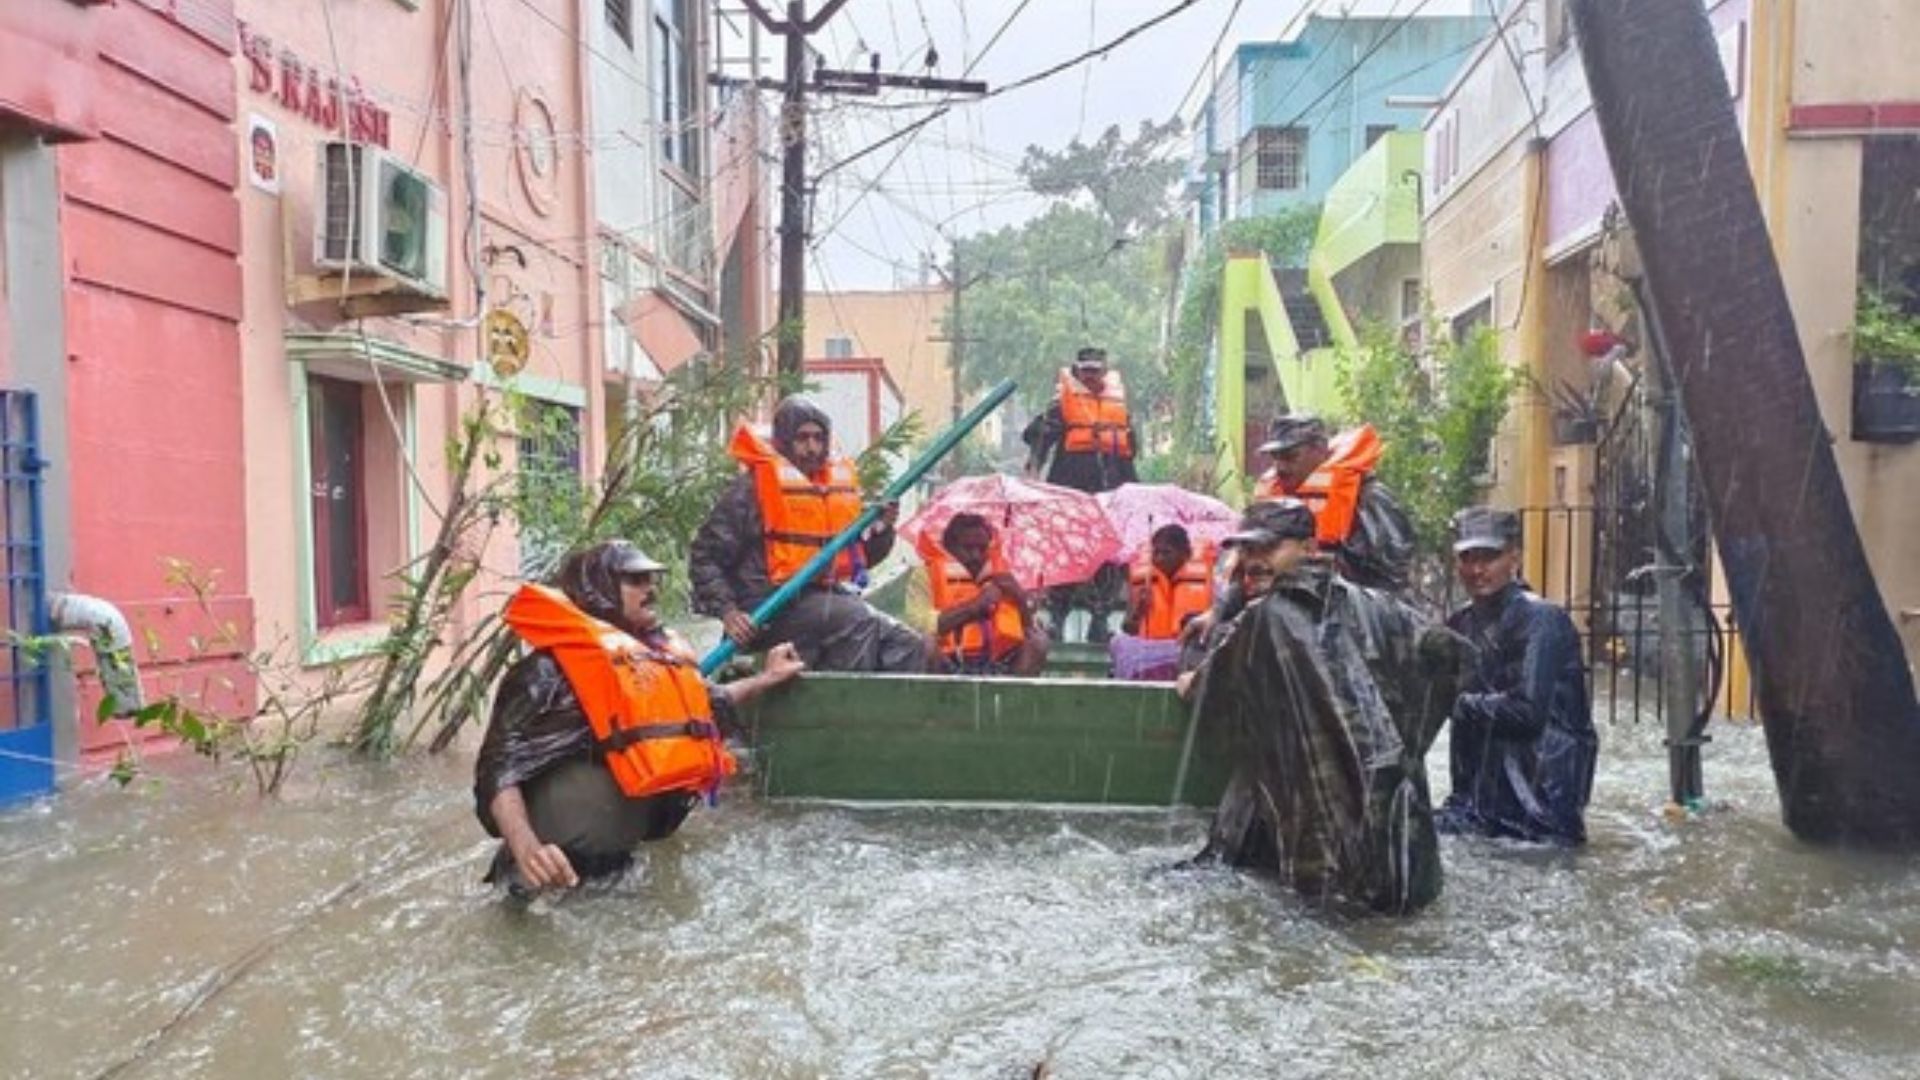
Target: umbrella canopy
(1050, 535)
(1136, 510)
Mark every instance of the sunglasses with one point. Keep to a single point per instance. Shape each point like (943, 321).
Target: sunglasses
(639, 577)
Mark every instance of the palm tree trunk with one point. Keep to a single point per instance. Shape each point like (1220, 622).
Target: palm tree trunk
(1835, 692)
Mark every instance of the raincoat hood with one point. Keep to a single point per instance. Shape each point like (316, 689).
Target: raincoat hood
(590, 578)
(788, 417)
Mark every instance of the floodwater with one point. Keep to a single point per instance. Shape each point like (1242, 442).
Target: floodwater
(186, 930)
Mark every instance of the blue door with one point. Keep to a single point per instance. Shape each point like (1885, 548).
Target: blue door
(26, 727)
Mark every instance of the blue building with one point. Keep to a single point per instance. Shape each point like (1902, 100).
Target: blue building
(1286, 118)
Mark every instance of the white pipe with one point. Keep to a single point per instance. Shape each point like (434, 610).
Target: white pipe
(111, 636)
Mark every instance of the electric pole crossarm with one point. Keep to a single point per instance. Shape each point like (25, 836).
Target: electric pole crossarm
(834, 79)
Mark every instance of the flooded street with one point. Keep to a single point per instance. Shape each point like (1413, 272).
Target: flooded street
(342, 932)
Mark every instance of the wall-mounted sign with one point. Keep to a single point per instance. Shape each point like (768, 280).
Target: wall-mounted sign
(263, 154)
(506, 343)
(305, 91)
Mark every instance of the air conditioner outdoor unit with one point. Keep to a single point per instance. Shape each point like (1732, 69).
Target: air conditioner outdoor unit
(377, 216)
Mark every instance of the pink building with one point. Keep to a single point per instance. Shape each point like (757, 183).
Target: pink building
(122, 304)
(453, 132)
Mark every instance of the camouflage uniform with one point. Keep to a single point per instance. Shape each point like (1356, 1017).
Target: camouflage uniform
(1328, 695)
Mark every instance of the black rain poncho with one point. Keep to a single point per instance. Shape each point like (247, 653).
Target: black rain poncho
(1523, 743)
(1327, 696)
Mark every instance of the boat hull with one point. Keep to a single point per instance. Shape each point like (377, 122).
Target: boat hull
(977, 740)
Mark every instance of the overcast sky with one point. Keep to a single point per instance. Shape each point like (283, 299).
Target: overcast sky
(959, 170)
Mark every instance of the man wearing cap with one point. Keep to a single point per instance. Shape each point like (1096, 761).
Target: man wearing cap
(790, 499)
(1086, 440)
(605, 735)
(1358, 519)
(1523, 744)
(1326, 697)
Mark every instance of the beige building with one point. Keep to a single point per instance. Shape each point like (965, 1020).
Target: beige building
(900, 327)
(1521, 233)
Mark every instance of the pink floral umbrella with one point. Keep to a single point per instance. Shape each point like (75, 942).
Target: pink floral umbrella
(1050, 535)
(1136, 510)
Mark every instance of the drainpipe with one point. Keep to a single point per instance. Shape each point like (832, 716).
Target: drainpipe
(111, 637)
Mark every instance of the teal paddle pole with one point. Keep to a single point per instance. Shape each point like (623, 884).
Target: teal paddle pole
(781, 597)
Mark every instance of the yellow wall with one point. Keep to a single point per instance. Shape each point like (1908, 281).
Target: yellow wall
(1479, 236)
(1865, 57)
(898, 327)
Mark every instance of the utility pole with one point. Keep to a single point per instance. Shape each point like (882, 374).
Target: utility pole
(957, 355)
(796, 28)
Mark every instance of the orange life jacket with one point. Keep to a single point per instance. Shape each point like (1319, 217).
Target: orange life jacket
(952, 586)
(1332, 492)
(647, 706)
(799, 513)
(1172, 601)
(1095, 422)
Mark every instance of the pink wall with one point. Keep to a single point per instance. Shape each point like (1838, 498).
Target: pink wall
(151, 234)
(1579, 175)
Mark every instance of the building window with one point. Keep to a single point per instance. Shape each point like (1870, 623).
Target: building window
(839, 348)
(620, 20)
(673, 88)
(1282, 158)
(549, 484)
(337, 446)
(1376, 132)
(1409, 300)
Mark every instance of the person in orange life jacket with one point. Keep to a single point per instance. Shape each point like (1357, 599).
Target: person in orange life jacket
(1086, 440)
(984, 622)
(1169, 587)
(791, 497)
(545, 781)
(1359, 520)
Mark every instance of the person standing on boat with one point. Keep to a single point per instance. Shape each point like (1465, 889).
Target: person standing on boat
(790, 499)
(1085, 440)
(1523, 743)
(605, 735)
(983, 619)
(1358, 519)
(1326, 696)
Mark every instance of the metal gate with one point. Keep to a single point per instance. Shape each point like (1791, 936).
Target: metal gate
(26, 727)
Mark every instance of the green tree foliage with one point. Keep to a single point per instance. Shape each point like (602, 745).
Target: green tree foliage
(1437, 414)
(1052, 285)
(1091, 270)
(1129, 181)
(1284, 239)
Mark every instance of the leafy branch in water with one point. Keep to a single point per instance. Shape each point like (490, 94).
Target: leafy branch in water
(1437, 414)
(664, 468)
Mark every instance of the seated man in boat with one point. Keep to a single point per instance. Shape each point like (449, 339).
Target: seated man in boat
(1326, 696)
(1358, 519)
(984, 621)
(605, 735)
(791, 498)
(1169, 585)
(1523, 745)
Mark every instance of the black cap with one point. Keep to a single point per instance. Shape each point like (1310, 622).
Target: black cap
(1091, 356)
(1482, 528)
(627, 559)
(1296, 429)
(1272, 521)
